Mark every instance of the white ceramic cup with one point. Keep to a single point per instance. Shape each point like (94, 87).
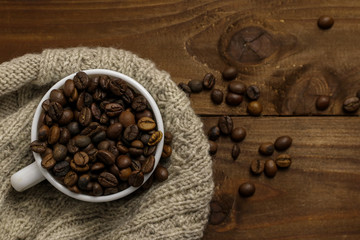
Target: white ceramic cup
(34, 173)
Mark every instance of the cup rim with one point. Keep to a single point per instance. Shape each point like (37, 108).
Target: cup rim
(157, 115)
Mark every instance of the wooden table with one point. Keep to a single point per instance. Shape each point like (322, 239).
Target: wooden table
(291, 60)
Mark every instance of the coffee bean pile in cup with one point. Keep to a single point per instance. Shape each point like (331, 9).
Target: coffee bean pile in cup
(98, 136)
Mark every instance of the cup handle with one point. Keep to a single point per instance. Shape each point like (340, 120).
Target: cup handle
(26, 177)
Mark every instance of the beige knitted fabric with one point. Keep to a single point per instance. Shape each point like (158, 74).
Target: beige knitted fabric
(175, 209)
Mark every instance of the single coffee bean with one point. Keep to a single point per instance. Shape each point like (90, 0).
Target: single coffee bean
(266, 148)
(74, 96)
(99, 95)
(167, 150)
(57, 95)
(74, 189)
(92, 154)
(213, 147)
(95, 111)
(229, 73)
(136, 165)
(98, 137)
(97, 189)
(88, 99)
(46, 105)
(149, 150)
(47, 151)
(283, 161)
(208, 81)
(322, 102)
(48, 162)
(325, 22)
(107, 179)
(61, 168)
(146, 124)
(237, 87)
(217, 215)
(69, 88)
(217, 96)
(54, 135)
(117, 86)
(59, 152)
(214, 133)
(81, 80)
(283, 143)
(122, 148)
(141, 159)
(225, 124)
(145, 113)
(257, 166)
(104, 119)
(253, 92)
(82, 141)
(113, 109)
(114, 170)
(93, 84)
(131, 133)
(55, 111)
(139, 104)
(161, 173)
(66, 117)
(123, 161)
(71, 147)
(38, 147)
(98, 166)
(48, 120)
(233, 99)
(70, 179)
(246, 189)
(106, 157)
(254, 108)
(85, 116)
(81, 159)
(136, 178)
(92, 129)
(137, 144)
(270, 168)
(114, 131)
(124, 174)
(155, 138)
(80, 103)
(238, 134)
(185, 88)
(168, 137)
(89, 186)
(148, 166)
(83, 181)
(74, 128)
(195, 86)
(351, 104)
(128, 96)
(104, 145)
(77, 168)
(127, 118)
(235, 151)
(104, 82)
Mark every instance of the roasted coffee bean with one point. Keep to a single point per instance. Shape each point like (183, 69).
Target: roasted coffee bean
(98, 137)
(74, 128)
(48, 162)
(213, 147)
(93, 84)
(47, 151)
(54, 135)
(81, 80)
(46, 105)
(125, 173)
(92, 129)
(81, 159)
(106, 157)
(238, 134)
(168, 137)
(137, 144)
(246, 189)
(38, 147)
(208, 81)
(325, 22)
(89, 186)
(217, 96)
(48, 120)
(141, 159)
(107, 179)
(139, 104)
(214, 133)
(225, 124)
(257, 166)
(70, 179)
(80, 103)
(266, 148)
(92, 154)
(283, 143)
(146, 124)
(66, 117)
(145, 138)
(74, 189)
(195, 86)
(88, 99)
(235, 151)
(104, 119)
(59, 152)
(97, 189)
(149, 150)
(83, 181)
(104, 145)
(71, 147)
(85, 116)
(114, 170)
(99, 95)
(74, 96)
(229, 73)
(127, 118)
(123, 161)
(69, 88)
(113, 149)
(161, 173)
(136, 178)
(185, 88)
(128, 96)
(322, 102)
(61, 169)
(155, 138)
(57, 95)
(78, 168)
(351, 104)
(145, 113)
(95, 111)
(114, 131)
(111, 190)
(88, 148)
(131, 133)
(117, 86)
(237, 87)
(253, 92)
(55, 111)
(167, 150)
(254, 108)
(283, 161)
(98, 166)
(148, 166)
(122, 148)
(136, 165)
(113, 109)
(148, 183)
(233, 99)
(270, 168)
(104, 82)
(82, 141)
(217, 214)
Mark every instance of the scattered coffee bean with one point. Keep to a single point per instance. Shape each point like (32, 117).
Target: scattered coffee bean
(325, 22)
(233, 99)
(213, 147)
(322, 102)
(235, 151)
(246, 189)
(208, 81)
(185, 88)
(270, 168)
(168, 137)
(225, 124)
(214, 133)
(351, 104)
(167, 151)
(283, 143)
(253, 92)
(217, 215)
(257, 166)
(254, 108)
(283, 161)
(238, 134)
(237, 87)
(229, 73)
(161, 173)
(266, 148)
(195, 86)
(217, 96)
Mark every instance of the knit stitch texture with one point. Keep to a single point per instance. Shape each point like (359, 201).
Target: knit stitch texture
(175, 209)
